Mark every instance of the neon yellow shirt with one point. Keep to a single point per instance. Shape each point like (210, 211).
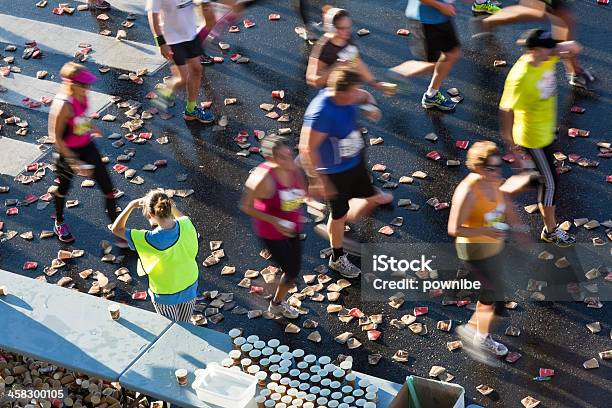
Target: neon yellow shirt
(531, 93)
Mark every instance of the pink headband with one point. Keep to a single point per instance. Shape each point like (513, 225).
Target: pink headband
(84, 76)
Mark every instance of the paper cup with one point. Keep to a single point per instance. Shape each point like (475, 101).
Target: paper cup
(278, 94)
(3, 291)
(114, 311)
(389, 89)
(181, 376)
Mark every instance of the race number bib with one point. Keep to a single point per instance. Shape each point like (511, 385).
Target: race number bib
(349, 53)
(547, 85)
(291, 199)
(497, 215)
(82, 126)
(350, 145)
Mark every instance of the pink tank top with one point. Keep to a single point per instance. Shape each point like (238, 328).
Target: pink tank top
(285, 203)
(78, 126)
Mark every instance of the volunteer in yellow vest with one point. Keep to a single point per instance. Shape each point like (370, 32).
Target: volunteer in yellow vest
(528, 114)
(478, 221)
(167, 254)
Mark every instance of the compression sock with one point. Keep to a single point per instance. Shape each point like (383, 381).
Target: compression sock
(190, 107)
(337, 253)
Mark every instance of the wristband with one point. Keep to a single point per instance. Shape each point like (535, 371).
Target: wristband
(159, 40)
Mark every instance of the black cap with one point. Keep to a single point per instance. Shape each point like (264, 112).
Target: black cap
(537, 38)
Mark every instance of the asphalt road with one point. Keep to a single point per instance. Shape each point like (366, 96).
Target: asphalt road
(553, 334)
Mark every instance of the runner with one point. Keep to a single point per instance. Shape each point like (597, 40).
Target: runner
(167, 254)
(331, 153)
(528, 110)
(335, 48)
(477, 219)
(557, 10)
(273, 195)
(173, 24)
(311, 31)
(76, 152)
(433, 28)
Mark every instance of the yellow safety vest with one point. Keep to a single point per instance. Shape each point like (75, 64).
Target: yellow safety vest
(173, 269)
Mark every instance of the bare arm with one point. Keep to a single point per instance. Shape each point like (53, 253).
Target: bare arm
(317, 73)
(118, 227)
(366, 74)
(310, 140)
(57, 126)
(154, 23)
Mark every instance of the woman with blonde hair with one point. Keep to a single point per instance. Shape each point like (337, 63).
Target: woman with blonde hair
(167, 254)
(478, 216)
(76, 152)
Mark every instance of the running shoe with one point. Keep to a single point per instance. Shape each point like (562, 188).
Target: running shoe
(577, 80)
(438, 101)
(102, 5)
(558, 237)
(474, 348)
(206, 60)
(491, 346)
(283, 310)
(485, 8)
(345, 267)
(200, 115)
(63, 232)
(164, 99)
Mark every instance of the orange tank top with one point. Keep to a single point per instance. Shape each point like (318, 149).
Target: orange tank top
(485, 213)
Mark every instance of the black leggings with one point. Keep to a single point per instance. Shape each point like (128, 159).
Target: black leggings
(88, 154)
(488, 272)
(287, 253)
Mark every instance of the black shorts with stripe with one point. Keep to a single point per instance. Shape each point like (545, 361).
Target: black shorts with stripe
(544, 161)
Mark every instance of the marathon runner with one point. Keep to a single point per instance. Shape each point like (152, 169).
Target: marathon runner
(561, 17)
(528, 114)
(335, 48)
(273, 196)
(331, 154)
(479, 220)
(75, 150)
(438, 43)
(173, 24)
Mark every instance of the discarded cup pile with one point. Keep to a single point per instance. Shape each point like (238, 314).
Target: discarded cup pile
(77, 390)
(291, 378)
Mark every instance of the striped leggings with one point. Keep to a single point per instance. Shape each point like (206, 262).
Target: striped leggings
(545, 163)
(178, 313)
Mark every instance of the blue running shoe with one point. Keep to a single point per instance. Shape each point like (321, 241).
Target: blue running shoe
(438, 101)
(200, 115)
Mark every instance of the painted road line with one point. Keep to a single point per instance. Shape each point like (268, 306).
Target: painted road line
(22, 86)
(140, 6)
(125, 55)
(15, 155)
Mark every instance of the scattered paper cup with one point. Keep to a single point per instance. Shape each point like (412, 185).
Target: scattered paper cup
(115, 311)
(181, 376)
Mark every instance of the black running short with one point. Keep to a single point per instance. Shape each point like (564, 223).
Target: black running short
(431, 40)
(553, 5)
(487, 272)
(287, 253)
(352, 183)
(186, 50)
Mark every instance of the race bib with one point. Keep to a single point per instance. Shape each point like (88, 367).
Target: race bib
(350, 145)
(349, 53)
(291, 199)
(547, 85)
(495, 216)
(82, 126)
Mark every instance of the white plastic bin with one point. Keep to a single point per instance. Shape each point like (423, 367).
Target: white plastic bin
(224, 387)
